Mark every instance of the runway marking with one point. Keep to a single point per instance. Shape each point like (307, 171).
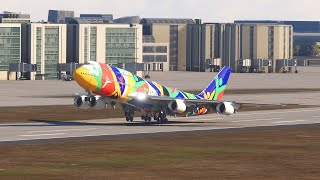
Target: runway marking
(35, 135)
(278, 112)
(279, 122)
(207, 119)
(269, 119)
(62, 130)
(316, 116)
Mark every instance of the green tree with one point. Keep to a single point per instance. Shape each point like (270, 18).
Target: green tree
(296, 49)
(313, 50)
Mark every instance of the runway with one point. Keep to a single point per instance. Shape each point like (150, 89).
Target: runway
(59, 131)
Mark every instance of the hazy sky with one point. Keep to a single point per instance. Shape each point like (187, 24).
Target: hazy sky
(207, 10)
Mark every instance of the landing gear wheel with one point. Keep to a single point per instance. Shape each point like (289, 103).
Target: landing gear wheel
(131, 118)
(127, 118)
(149, 119)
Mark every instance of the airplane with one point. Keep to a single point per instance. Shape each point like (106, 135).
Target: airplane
(108, 85)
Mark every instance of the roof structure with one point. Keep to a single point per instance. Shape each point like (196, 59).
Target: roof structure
(166, 21)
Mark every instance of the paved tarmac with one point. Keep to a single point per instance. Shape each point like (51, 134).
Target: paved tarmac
(59, 131)
(31, 93)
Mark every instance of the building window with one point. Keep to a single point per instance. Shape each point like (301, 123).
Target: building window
(161, 58)
(10, 47)
(85, 45)
(51, 52)
(120, 45)
(161, 49)
(148, 49)
(93, 43)
(174, 47)
(148, 58)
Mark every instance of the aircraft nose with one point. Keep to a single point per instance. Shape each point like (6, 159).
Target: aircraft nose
(81, 77)
(84, 76)
(78, 74)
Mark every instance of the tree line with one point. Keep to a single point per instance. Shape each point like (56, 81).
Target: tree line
(309, 49)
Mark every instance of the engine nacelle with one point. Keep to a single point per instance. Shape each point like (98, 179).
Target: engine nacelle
(177, 106)
(81, 102)
(96, 102)
(225, 108)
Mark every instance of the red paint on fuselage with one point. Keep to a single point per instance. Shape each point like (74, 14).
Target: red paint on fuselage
(107, 81)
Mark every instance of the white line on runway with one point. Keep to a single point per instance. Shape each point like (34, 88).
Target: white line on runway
(258, 120)
(34, 135)
(278, 112)
(279, 122)
(206, 119)
(62, 130)
(316, 116)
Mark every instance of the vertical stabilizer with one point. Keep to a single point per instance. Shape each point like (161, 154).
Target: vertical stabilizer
(216, 88)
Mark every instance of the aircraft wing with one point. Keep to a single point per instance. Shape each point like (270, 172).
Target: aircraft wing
(165, 100)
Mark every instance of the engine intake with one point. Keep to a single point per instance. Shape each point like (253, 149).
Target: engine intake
(96, 102)
(81, 102)
(225, 108)
(177, 106)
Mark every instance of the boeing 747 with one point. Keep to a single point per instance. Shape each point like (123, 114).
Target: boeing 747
(108, 85)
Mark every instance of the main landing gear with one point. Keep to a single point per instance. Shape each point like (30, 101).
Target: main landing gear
(160, 118)
(129, 115)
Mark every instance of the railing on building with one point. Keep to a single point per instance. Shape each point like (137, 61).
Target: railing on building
(22, 70)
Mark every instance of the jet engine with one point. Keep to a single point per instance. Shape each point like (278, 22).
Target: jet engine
(225, 108)
(177, 106)
(96, 102)
(81, 102)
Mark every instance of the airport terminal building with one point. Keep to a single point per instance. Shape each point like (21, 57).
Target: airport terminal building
(105, 43)
(37, 50)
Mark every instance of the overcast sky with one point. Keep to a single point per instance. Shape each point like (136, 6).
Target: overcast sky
(207, 10)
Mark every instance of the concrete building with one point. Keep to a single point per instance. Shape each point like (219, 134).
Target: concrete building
(202, 46)
(58, 16)
(128, 20)
(11, 49)
(11, 17)
(155, 55)
(172, 31)
(84, 20)
(255, 41)
(106, 18)
(47, 46)
(105, 43)
(298, 26)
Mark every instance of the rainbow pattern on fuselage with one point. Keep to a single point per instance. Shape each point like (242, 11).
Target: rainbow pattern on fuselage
(116, 83)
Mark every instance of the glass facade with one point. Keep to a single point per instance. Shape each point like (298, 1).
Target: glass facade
(38, 51)
(270, 42)
(85, 45)
(51, 51)
(9, 46)
(120, 45)
(15, 20)
(155, 58)
(174, 47)
(155, 49)
(93, 44)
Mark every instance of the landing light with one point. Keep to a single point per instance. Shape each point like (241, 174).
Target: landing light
(141, 96)
(138, 96)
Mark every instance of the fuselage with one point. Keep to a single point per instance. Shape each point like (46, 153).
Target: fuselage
(115, 83)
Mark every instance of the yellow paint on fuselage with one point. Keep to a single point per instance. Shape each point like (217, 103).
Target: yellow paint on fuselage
(85, 79)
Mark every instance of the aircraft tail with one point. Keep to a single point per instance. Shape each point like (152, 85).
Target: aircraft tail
(216, 88)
